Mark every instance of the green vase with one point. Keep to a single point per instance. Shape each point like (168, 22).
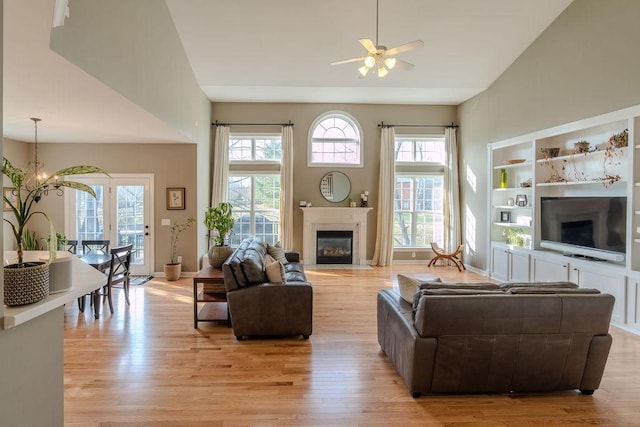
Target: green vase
(503, 178)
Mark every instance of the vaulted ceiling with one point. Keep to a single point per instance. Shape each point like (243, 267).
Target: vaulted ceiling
(272, 51)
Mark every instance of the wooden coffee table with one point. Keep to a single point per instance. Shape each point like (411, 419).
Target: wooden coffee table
(209, 292)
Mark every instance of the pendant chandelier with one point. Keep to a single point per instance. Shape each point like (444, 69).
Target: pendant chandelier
(38, 181)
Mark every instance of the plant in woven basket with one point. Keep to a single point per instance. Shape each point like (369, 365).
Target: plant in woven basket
(28, 282)
(29, 190)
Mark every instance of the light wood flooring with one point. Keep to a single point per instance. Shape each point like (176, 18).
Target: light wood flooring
(147, 366)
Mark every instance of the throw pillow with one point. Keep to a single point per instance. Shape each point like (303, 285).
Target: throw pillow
(277, 253)
(275, 270)
(407, 286)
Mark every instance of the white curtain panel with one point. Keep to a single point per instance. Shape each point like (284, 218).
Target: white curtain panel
(220, 176)
(452, 234)
(383, 253)
(286, 189)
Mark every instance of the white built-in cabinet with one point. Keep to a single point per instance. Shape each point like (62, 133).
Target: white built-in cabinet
(524, 169)
(509, 264)
(548, 268)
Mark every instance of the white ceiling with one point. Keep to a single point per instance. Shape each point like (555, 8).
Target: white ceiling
(271, 51)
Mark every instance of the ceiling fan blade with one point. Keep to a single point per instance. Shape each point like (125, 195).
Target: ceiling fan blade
(405, 47)
(346, 61)
(403, 65)
(368, 44)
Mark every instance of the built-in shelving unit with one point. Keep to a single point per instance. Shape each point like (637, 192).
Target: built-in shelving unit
(551, 163)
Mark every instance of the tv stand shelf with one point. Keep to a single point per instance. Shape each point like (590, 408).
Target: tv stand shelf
(604, 171)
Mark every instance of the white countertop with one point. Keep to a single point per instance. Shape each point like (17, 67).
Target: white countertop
(85, 279)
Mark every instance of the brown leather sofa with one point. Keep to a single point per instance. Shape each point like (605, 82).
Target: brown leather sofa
(509, 339)
(260, 308)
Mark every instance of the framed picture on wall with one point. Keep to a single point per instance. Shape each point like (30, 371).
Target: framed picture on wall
(8, 192)
(175, 198)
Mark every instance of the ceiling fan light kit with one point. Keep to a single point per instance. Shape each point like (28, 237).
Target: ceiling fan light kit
(379, 56)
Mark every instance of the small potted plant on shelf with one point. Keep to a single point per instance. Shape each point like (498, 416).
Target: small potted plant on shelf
(173, 269)
(220, 219)
(28, 282)
(620, 139)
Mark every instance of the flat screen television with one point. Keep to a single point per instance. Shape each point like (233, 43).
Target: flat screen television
(588, 226)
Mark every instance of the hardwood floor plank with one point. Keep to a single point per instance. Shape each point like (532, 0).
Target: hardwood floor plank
(147, 366)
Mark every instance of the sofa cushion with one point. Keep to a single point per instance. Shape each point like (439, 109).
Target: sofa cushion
(274, 270)
(557, 285)
(550, 290)
(408, 284)
(277, 253)
(453, 288)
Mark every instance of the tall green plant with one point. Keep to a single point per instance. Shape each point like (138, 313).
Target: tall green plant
(220, 219)
(26, 193)
(176, 230)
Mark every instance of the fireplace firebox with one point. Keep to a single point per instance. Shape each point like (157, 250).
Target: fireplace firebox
(334, 247)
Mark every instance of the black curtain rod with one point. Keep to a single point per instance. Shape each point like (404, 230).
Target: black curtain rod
(386, 125)
(216, 123)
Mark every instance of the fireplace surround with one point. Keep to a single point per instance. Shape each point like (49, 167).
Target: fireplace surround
(335, 219)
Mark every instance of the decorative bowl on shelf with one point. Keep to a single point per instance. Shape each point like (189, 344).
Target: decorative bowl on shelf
(550, 152)
(513, 161)
(526, 184)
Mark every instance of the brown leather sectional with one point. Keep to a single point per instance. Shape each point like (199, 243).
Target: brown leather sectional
(260, 308)
(514, 338)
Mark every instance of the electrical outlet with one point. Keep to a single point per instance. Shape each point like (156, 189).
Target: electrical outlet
(413, 254)
(179, 258)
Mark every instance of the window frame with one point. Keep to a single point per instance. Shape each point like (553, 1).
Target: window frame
(253, 175)
(413, 170)
(350, 119)
(253, 136)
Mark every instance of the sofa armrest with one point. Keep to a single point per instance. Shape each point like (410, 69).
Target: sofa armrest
(596, 361)
(413, 356)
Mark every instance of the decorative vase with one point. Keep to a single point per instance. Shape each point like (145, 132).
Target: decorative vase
(172, 271)
(27, 284)
(218, 255)
(503, 178)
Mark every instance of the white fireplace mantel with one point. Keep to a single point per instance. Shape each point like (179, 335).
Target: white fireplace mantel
(330, 218)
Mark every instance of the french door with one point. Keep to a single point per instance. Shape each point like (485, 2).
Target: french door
(121, 212)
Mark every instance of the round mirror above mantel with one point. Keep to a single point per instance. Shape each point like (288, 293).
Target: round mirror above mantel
(335, 186)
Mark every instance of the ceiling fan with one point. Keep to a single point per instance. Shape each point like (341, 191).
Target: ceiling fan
(380, 57)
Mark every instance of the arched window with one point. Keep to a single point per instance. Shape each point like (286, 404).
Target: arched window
(335, 139)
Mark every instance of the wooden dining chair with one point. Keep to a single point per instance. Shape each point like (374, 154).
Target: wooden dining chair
(119, 273)
(95, 245)
(72, 246)
(453, 257)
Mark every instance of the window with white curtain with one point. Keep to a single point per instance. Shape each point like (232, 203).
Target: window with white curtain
(418, 196)
(254, 186)
(335, 139)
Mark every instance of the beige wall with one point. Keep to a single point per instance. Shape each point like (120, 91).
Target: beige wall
(307, 179)
(173, 165)
(583, 65)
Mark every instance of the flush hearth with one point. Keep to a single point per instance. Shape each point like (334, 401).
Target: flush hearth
(334, 247)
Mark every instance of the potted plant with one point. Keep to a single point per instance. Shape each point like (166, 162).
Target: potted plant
(173, 268)
(220, 219)
(28, 282)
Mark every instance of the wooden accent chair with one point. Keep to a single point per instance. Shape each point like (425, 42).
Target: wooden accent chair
(452, 257)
